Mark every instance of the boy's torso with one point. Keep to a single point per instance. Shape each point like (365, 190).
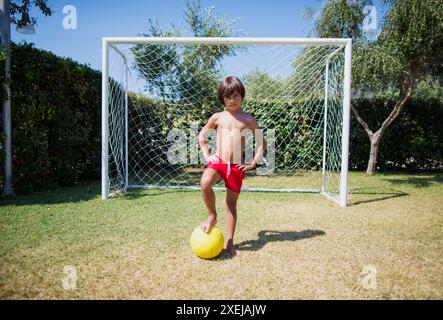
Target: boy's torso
(231, 132)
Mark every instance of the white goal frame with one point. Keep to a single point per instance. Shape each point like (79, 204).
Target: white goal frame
(108, 42)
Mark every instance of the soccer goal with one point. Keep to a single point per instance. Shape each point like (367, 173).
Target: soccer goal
(158, 93)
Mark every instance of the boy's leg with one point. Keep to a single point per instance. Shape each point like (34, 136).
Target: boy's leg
(209, 178)
(231, 219)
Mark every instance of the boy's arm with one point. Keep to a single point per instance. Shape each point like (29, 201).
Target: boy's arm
(212, 124)
(258, 136)
(259, 139)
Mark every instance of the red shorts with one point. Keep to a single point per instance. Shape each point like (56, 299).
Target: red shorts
(232, 175)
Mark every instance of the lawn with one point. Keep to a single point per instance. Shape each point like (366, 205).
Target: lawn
(292, 245)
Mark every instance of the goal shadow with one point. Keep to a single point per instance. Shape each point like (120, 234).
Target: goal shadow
(372, 194)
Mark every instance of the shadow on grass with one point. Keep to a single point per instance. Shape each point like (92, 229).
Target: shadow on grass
(417, 181)
(80, 193)
(140, 193)
(374, 195)
(61, 195)
(266, 236)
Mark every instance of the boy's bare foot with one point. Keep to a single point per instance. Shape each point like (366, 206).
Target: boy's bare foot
(212, 220)
(231, 249)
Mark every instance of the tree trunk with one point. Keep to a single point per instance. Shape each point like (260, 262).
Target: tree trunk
(372, 163)
(376, 137)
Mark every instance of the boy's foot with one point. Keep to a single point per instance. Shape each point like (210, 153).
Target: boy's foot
(231, 249)
(212, 220)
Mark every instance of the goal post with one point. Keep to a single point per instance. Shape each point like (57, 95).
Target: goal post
(158, 92)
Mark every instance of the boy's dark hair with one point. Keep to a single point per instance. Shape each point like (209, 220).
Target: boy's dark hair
(228, 86)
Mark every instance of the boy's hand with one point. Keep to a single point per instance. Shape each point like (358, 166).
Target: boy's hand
(246, 167)
(212, 158)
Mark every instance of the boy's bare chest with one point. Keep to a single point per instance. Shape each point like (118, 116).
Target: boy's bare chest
(232, 123)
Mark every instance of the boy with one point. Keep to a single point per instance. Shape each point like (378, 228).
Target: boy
(227, 163)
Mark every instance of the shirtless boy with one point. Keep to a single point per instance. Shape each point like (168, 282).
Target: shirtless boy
(227, 162)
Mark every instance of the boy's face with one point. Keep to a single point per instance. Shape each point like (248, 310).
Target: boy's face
(233, 102)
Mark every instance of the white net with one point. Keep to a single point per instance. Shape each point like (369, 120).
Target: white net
(161, 95)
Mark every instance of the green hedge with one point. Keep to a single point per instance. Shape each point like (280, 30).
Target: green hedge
(302, 148)
(55, 120)
(143, 137)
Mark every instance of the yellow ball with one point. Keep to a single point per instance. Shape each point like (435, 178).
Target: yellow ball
(207, 245)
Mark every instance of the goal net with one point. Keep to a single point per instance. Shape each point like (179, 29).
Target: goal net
(158, 93)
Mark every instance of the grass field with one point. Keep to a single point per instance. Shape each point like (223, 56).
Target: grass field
(292, 246)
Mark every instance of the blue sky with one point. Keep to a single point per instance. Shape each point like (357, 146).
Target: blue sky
(99, 18)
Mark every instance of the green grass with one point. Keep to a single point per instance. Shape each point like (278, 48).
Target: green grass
(292, 246)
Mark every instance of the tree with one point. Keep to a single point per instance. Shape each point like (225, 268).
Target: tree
(262, 86)
(408, 50)
(188, 73)
(338, 18)
(21, 10)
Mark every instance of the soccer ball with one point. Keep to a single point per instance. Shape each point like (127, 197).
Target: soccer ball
(207, 245)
